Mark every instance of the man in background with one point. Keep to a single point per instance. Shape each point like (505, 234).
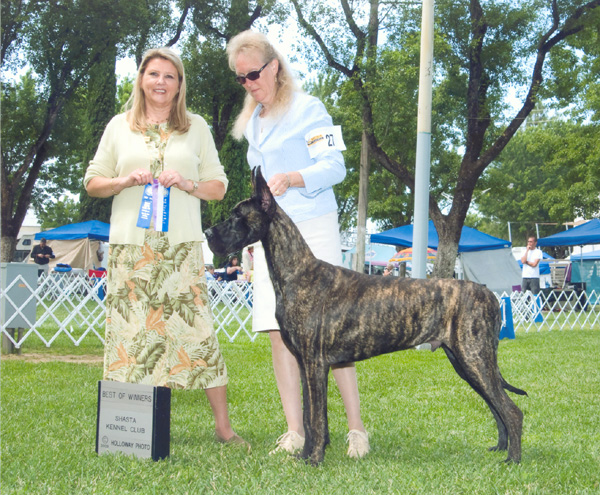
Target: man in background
(42, 254)
(531, 270)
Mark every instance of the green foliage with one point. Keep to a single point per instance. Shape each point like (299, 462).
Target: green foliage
(24, 110)
(390, 202)
(481, 50)
(124, 90)
(22, 114)
(233, 158)
(58, 213)
(207, 69)
(61, 43)
(548, 173)
(100, 108)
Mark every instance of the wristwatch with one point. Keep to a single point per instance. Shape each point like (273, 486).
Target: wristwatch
(194, 188)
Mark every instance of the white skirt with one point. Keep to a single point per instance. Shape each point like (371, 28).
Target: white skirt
(322, 235)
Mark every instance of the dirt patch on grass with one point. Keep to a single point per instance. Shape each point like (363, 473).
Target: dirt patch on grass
(47, 358)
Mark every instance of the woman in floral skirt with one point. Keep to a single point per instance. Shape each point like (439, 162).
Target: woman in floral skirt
(159, 328)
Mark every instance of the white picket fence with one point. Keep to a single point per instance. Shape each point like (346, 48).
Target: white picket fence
(73, 305)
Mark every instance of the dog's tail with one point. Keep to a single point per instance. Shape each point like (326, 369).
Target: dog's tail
(512, 389)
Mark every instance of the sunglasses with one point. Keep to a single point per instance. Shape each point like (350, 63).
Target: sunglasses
(251, 76)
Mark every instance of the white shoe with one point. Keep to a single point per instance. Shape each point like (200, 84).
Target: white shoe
(358, 443)
(289, 442)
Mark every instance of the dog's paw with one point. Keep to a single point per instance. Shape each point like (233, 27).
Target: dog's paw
(303, 455)
(316, 459)
(497, 448)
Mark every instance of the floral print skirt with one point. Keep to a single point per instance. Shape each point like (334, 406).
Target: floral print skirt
(159, 327)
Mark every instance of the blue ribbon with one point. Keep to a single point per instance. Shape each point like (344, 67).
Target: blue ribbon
(145, 214)
(155, 207)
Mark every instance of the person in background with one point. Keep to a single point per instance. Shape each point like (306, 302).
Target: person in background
(531, 270)
(279, 122)
(42, 254)
(388, 270)
(159, 327)
(248, 262)
(210, 272)
(232, 269)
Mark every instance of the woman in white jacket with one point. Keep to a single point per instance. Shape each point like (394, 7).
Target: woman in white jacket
(292, 138)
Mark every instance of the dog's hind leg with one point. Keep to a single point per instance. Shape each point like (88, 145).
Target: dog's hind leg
(314, 392)
(502, 431)
(484, 376)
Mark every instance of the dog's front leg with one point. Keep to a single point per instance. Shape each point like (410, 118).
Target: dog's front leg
(314, 390)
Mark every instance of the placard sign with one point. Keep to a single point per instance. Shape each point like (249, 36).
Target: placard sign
(133, 419)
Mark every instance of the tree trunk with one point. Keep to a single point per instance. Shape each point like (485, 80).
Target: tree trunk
(8, 244)
(446, 255)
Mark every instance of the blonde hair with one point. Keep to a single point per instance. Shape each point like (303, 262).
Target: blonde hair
(285, 82)
(135, 107)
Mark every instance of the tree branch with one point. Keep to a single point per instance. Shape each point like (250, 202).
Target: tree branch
(551, 38)
(180, 25)
(12, 23)
(477, 115)
(312, 32)
(255, 15)
(358, 34)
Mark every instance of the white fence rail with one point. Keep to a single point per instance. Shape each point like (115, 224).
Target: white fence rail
(73, 306)
(564, 309)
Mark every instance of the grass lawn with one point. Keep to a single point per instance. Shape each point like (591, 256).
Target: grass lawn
(429, 431)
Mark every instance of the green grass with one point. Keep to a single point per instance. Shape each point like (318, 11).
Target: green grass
(429, 431)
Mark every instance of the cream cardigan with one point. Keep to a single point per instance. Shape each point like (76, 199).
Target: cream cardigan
(192, 154)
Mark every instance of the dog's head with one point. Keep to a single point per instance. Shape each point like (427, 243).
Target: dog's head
(248, 223)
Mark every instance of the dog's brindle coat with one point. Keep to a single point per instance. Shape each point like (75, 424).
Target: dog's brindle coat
(328, 315)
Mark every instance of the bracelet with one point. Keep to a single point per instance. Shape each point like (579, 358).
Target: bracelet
(194, 187)
(289, 181)
(112, 187)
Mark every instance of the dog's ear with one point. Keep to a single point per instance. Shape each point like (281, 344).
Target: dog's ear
(255, 170)
(262, 193)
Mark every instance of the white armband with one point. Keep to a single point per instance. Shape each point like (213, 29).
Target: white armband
(323, 139)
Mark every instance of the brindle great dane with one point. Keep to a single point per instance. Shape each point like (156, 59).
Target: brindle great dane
(329, 315)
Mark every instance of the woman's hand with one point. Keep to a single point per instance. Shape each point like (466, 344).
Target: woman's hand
(280, 183)
(170, 178)
(104, 187)
(139, 177)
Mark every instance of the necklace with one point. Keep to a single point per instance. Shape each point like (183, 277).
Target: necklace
(157, 121)
(158, 117)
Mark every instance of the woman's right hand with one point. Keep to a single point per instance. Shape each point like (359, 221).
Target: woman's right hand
(104, 187)
(139, 177)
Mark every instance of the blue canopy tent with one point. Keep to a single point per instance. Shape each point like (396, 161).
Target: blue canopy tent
(78, 245)
(470, 239)
(93, 229)
(592, 255)
(485, 259)
(586, 233)
(586, 268)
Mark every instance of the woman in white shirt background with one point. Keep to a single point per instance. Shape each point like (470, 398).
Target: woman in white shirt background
(285, 128)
